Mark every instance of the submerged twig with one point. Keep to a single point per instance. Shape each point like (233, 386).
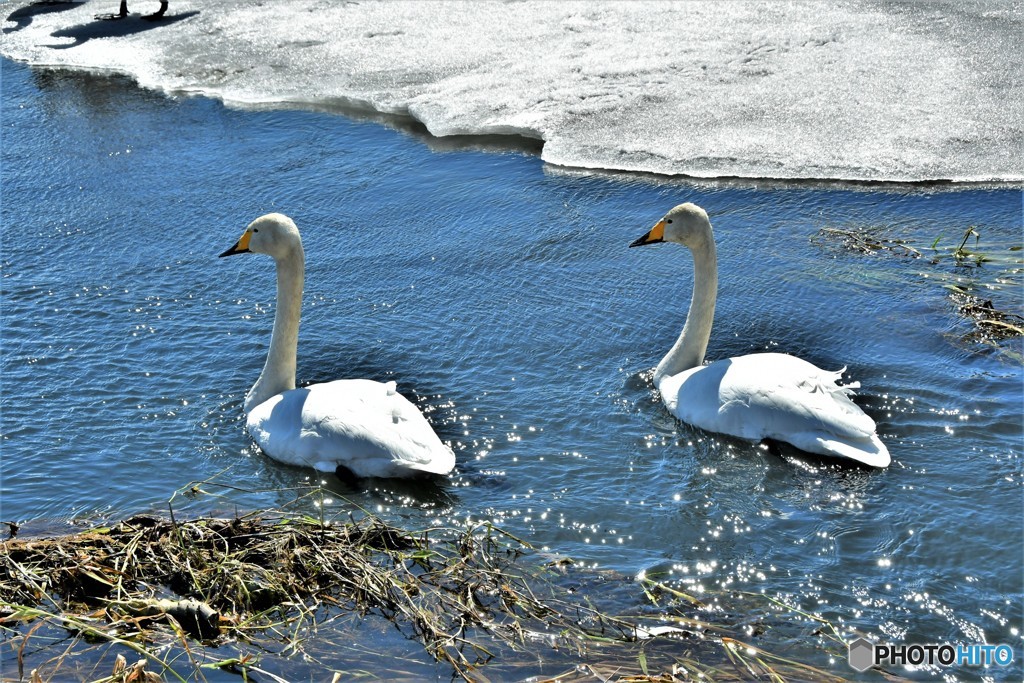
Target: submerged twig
(866, 242)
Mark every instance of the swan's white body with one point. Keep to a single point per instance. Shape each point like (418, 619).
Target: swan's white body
(364, 426)
(757, 396)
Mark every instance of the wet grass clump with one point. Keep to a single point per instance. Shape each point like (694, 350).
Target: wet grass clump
(207, 597)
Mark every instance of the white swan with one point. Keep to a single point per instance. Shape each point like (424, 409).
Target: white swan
(757, 396)
(364, 426)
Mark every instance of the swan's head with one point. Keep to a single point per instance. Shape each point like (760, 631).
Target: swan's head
(686, 224)
(274, 234)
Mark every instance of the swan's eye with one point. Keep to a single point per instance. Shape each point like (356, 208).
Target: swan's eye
(669, 220)
(255, 229)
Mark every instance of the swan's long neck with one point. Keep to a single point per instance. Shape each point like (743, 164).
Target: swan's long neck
(688, 351)
(279, 372)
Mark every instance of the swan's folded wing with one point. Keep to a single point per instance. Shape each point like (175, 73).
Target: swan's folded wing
(809, 411)
(808, 406)
(789, 396)
(780, 397)
(365, 426)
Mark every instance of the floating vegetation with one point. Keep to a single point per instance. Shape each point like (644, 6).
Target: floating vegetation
(189, 599)
(971, 270)
(866, 241)
(962, 253)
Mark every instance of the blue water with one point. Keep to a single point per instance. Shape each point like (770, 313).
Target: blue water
(499, 292)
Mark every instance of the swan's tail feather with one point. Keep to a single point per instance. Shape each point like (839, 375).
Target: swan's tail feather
(870, 451)
(832, 381)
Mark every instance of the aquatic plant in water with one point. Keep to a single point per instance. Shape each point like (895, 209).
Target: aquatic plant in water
(973, 271)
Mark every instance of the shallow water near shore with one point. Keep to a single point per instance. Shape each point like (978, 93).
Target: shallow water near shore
(500, 294)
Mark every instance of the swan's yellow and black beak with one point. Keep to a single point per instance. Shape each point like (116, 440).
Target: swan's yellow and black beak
(653, 236)
(241, 246)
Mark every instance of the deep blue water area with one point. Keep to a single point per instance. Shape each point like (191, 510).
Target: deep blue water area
(501, 296)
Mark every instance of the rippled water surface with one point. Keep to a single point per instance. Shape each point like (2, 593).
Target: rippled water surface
(500, 294)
